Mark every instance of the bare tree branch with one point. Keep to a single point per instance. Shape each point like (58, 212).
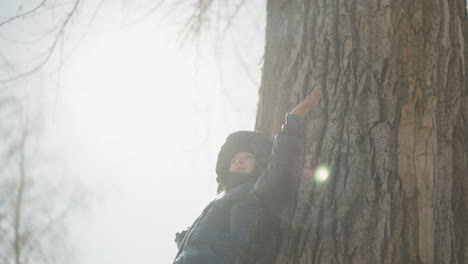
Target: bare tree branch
(195, 23)
(45, 34)
(49, 51)
(234, 15)
(38, 248)
(243, 63)
(33, 242)
(6, 260)
(23, 14)
(19, 200)
(36, 40)
(146, 15)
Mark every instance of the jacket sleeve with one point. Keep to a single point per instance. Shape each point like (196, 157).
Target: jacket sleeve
(275, 186)
(180, 237)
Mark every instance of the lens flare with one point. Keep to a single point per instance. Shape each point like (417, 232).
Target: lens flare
(321, 174)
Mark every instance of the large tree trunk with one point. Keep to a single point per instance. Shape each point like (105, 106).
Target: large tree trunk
(392, 127)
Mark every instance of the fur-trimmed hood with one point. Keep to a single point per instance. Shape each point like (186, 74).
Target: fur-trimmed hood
(242, 141)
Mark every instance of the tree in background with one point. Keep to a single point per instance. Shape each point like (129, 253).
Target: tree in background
(36, 196)
(36, 193)
(392, 128)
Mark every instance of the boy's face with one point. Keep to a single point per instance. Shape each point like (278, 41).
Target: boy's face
(243, 162)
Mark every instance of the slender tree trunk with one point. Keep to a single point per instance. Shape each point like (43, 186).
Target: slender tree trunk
(18, 242)
(392, 127)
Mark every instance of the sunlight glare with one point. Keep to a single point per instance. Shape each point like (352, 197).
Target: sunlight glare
(322, 173)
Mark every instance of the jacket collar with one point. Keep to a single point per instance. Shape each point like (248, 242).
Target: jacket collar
(238, 178)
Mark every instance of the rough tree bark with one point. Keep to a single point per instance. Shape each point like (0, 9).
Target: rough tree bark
(392, 127)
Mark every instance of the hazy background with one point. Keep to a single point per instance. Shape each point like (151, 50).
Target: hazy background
(131, 112)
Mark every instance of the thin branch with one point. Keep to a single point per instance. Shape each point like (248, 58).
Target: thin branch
(34, 240)
(194, 25)
(23, 14)
(50, 50)
(243, 63)
(19, 199)
(234, 14)
(147, 14)
(57, 90)
(82, 35)
(45, 34)
(93, 17)
(38, 248)
(6, 260)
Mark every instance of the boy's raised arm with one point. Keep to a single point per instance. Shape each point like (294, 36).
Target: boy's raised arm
(276, 184)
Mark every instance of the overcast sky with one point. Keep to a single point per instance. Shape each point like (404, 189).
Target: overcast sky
(139, 119)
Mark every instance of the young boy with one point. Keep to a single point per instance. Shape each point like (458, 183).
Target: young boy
(251, 174)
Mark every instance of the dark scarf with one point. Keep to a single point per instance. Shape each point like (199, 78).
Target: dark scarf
(237, 178)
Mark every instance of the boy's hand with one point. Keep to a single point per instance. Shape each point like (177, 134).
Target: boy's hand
(308, 104)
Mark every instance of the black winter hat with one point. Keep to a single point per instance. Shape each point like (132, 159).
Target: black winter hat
(243, 141)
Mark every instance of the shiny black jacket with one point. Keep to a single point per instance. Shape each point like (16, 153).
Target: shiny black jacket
(217, 234)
